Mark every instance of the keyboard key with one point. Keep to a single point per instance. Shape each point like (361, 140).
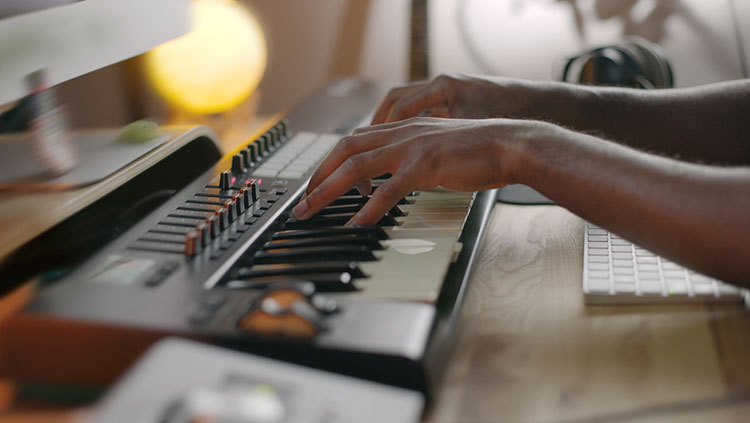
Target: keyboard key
(649, 275)
(674, 274)
(648, 268)
(598, 259)
(677, 288)
(623, 271)
(625, 287)
(593, 231)
(700, 279)
(290, 174)
(598, 245)
(647, 260)
(624, 278)
(650, 287)
(598, 274)
(598, 286)
(621, 249)
(598, 266)
(622, 263)
(598, 238)
(622, 256)
(703, 290)
(644, 253)
(598, 252)
(621, 242)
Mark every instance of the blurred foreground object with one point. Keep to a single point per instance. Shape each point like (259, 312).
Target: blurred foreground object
(214, 67)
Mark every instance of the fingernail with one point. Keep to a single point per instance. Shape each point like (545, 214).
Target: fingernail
(300, 210)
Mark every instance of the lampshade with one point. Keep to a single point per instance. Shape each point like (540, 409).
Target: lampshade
(214, 67)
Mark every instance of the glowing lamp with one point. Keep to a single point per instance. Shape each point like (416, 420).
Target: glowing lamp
(214, 67)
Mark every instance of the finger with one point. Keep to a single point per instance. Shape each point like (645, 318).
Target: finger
(361, 166)
(383, 199)
(364, 186)
(414, 103)
(346, 147)
(384, 109)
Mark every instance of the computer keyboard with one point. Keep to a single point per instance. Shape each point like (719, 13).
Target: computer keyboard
(615, 271)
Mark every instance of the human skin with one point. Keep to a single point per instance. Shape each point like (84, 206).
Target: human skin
(688, 211)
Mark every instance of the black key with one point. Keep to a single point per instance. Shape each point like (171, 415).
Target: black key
(358, 199)
(324, 282)
(373, 231)
(352, 208)
(347, 239)
(333, 220)
(292, 269)
(306, 254)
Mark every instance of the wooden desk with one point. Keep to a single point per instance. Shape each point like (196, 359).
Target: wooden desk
(530, 350)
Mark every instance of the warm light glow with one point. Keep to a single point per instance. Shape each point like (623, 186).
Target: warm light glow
(215, 66)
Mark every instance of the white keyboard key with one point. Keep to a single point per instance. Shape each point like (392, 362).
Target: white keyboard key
(598, 266)
(648, 268)
(623, 271)
(598, 259)
(700, 279)
(290, 174)
(267, 173)
(598, 238)
(649, 275)
(593, 231)
(598, 245)
(624, 278)
(677, 288)
(622, 256)
(674, 274)
(598, 274)
(728, 290)
(598, 286)
(644, 260)
(703, 290)
(650, 287)
(621, 242)
(622, 263)
(624, 287)
(598, 252)
(644, 253)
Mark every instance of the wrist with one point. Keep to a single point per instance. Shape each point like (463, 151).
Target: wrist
(526, 148)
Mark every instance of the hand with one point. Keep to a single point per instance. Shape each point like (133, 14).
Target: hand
(454, 97)
(419, 153)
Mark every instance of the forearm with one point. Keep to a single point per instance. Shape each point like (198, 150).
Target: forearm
(693, 214)
(707, 124)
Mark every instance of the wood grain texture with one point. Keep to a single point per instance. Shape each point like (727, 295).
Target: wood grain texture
(530, 350)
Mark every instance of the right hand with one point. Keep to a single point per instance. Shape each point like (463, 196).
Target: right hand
(450, 96)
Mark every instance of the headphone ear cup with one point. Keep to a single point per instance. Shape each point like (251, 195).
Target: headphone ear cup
(652, 61)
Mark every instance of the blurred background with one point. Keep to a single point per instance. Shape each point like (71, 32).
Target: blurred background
(310, 42)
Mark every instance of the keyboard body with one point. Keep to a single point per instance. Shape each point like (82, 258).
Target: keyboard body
(396, 328)
(615, 271)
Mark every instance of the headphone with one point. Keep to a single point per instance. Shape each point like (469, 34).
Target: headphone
(635, 62)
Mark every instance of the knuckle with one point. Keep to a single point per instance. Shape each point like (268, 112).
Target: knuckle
(346, 145)
(353, 164)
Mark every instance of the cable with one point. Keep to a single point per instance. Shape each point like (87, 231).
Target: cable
(738, 36)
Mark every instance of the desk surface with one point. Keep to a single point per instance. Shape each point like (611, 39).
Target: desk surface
(530, 350)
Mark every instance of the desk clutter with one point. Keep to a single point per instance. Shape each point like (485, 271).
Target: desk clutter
(222, 261)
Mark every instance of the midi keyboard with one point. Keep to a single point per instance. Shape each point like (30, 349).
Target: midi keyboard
(223, 261)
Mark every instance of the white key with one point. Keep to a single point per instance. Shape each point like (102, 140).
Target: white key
(648, 268)
(621, 248)
(265, 173)
(622, 256)
(677, 288)
(598, 266)
(598, 245)
(646, 260)
(593, 231)
(621, 242)
(290, 174)
(623, 271)
(699, 279)
(595, 259)
(598, 252)
(625, 287)
(598, 274)
(598, 238)
(650, 288)
(625, 278)
(622, 263)
(703, 290)
(598, 286)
